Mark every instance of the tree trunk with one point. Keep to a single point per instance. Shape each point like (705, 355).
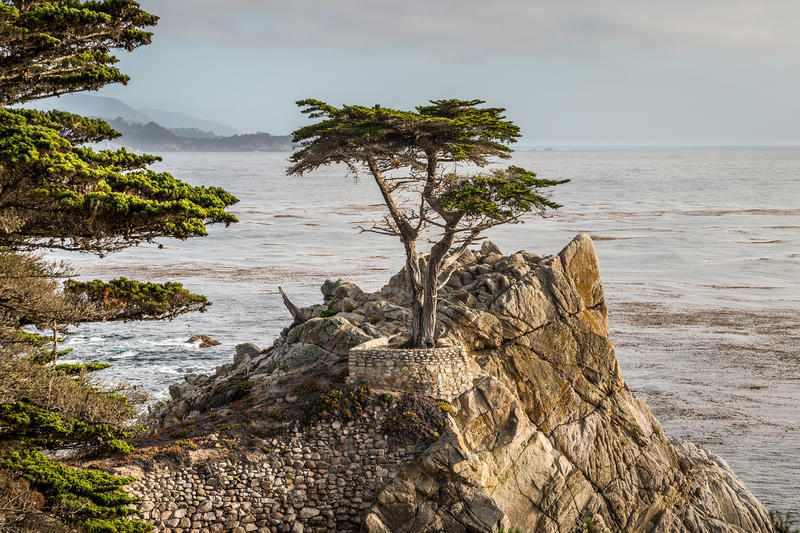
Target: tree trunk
(417, 311)
(423, 330)
(427, 333)
(415, 285)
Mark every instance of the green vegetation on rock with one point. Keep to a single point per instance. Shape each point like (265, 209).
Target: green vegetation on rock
(345, 402)
(92, 499)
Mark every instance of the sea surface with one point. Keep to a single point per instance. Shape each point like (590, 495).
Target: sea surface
(699, 249)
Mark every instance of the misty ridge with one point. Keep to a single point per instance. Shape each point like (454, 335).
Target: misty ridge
(165, 131)
(153, 136)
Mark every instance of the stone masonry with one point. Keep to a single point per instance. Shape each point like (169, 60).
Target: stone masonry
(442, 373)
(320, 478)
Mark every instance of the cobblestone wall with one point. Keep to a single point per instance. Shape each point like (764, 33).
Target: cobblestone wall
(321, 479)
(442, 373)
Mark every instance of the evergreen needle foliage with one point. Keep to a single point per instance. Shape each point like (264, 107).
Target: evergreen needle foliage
(124, 299)
(53, 48)
(93, 499)
(429, 167)
(57, 192)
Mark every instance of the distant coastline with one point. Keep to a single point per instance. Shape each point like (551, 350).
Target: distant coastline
(161, 130)
(153, 136)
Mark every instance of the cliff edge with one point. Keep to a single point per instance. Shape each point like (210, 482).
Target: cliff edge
(547, 435)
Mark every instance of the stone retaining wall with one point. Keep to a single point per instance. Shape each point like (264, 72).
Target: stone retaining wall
(442, 373)
(321, 479)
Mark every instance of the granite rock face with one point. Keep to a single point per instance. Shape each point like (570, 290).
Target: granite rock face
(548, 435)
(552, 435)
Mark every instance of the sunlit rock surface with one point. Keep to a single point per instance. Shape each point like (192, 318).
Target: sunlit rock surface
(548, 436)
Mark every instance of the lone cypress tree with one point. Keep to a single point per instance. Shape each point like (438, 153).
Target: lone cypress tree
(420, 162)
(56, 192)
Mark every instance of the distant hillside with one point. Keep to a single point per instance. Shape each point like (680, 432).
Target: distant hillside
(154, 137)
(91, 106)
(163, 131)
(193, 133)
(173, 120)
(111, 108)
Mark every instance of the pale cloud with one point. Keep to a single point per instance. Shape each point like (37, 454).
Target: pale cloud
(517, 25)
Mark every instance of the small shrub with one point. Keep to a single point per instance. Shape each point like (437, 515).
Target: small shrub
(446, 407)
(245, 387)
(416, 420)
(330, 310)
(590, 526)
(350, 308)
(342, 401)
(119, 446)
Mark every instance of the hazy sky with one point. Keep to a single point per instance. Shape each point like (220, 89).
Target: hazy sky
(569, 72)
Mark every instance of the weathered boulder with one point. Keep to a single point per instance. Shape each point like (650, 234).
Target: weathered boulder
(245, 351)
(341, 289)
(202, 341)
(319, 343)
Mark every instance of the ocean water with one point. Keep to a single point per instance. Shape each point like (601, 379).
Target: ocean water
(699, 249)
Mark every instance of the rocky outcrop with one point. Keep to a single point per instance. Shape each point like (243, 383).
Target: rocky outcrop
(202, 341)
(547, 436)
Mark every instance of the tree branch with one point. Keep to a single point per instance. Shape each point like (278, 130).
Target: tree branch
(293, 310)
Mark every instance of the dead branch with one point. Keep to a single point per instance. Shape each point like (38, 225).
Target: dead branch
(293, 310)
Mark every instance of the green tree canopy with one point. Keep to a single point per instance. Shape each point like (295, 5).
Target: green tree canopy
(427, 164)
(52, 48)
(58, 192)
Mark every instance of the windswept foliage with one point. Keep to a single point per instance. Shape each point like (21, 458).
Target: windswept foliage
(93, 499)
(57, 192)
(54, 408)
(58, 195)
(125, 299)
(427, 165)
(52, 48)
(31, 296)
